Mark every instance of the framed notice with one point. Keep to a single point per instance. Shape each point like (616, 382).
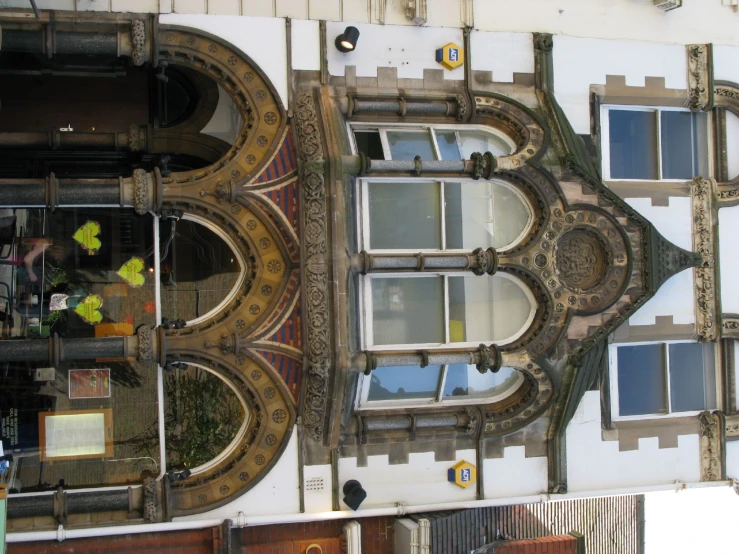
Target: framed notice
(89, 383)
(76, 434)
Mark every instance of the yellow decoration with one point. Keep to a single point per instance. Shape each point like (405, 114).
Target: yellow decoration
(451, 56)
(130, 272)
(88, 309)
(463, 474)
(87, 237)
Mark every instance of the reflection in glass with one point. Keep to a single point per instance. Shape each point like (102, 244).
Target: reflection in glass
(370, 144)
(408, 311)
(641, 380)
(403, 383)
(633, 144)
(448, 146)
(406, 145)
(692, 383)
(465, 381)
(226, 122)
(405, 215)
(684, 145)
(477, 141)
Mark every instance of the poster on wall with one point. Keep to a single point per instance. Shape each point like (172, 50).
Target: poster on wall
(89, 383)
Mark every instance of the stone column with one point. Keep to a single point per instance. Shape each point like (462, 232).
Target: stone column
(136, 139)
(65, 38)
(484, 357)
(478, 166)
(147, 346)
(142, 191)
(479, 261)
(404, 107)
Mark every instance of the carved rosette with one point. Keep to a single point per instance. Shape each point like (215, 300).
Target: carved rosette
(138, 40)
(315, 270)
(711, 446)
(700, 75)
(703, 195)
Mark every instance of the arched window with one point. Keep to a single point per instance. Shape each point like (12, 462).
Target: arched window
(409, 386)
(426, 310)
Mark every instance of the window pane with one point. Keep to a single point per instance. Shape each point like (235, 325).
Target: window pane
(405, 215)
(448, 147)
(481, 214)
(405, 382)
(683, 145)
(465, 381)
(406, 145)
(408, 311)
(688, 387)
(633, 144)
(641, 380)
(478, 141)
(369, 143)
(484, 309)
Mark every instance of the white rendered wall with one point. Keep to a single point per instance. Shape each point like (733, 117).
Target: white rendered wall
(728, 231)
(726, 62)
(421, 481)
(306, 45)
(579, 63)
(317, 500)
(732, 459)
(409, 49)
(262, 39)
(277, 493)
(676, 296)
(594, 464)
(732, 144)
(502, 53)
(514, 474)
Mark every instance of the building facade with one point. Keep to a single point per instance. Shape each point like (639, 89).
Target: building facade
(244, 268)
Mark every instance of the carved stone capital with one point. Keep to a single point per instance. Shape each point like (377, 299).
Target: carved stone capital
(135, 139)
(705, 218)
(700, 77)
(712, 446)
(146, 345)
(143, 191)
(732, 426)
(149, 489)
(138, 42)
(484, 261)
(487, 358)
(543, 42)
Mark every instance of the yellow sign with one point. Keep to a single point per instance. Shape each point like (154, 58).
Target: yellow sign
(462, 474)
(130, 272)
(88, 309)
(87, 236)
(451, 56)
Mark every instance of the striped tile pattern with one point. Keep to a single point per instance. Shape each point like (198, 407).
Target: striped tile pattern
(289, 369)
(291, 332)
(284, 162)
(286, 198)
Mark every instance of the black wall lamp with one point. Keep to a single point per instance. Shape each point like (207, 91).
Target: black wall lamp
(354, 494)
(347, 41)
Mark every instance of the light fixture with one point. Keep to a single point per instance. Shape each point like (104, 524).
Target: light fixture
(354, 494)
(347, 41)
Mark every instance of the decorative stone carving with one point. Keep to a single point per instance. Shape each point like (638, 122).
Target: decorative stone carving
(700, 77)
(146, 345)
(138, 40)
(149, 489)
(486, 261)
(543, 42)
(488, 358)
(711, 446)
(581, 260)
(732, 426)
(136, 138)
(730, 326)
(140, 191)
(704, 222)
(316, 274)
(463, 108)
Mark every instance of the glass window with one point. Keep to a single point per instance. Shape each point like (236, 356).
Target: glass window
(433, 310)
(659, 379)
(433, 215)
(653, 144)
(414, 385)
(405, 142)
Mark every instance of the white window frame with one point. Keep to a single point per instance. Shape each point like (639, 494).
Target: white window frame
(363, 219)
(605, 144)
(384, 127)
(365, 382)
(366, 327)
(613, 377)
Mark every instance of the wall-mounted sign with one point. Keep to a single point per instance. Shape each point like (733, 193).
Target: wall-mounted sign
(451, 56)
(130, 272)
(89, 383)
(89, 309)
(462, 474)
(87, 237)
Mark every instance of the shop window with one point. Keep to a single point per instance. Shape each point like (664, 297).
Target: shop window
(653, 143)
(432, 310)
(436, 384)
(440, 142)
(660, 379)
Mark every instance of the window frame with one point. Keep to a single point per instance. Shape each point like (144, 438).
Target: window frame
(613, 380)
(361, 402)
(363, 219)
(366, 312)
(431, 128)
(605, 144)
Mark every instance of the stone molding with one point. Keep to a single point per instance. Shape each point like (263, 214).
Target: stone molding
(703, 204)
(700, 77)
(712, 455)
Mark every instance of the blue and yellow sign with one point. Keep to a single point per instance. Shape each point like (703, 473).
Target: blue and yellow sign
(462, 474)
(450, 56)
